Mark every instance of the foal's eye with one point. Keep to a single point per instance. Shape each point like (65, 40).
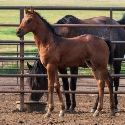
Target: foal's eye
(29, 20)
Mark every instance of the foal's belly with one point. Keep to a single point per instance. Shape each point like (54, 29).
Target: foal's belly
(71, 62)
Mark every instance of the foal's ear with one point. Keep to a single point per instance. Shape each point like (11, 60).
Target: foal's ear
(31, 9)
(26, 10)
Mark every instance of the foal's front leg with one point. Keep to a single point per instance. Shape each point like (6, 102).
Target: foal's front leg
(53, 78)
(51, 71)
(57, 87)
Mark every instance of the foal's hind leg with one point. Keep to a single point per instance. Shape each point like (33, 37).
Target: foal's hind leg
(109, 82)
(101, 85)
(95, 104)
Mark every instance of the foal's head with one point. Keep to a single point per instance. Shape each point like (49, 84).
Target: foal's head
(28, 23)
(33, 22)
(36, 83)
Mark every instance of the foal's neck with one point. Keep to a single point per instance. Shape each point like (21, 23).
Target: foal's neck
(42, 35)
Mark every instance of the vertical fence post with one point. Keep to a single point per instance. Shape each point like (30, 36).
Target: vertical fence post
(17, 62)
(21, 65)
(111, 67)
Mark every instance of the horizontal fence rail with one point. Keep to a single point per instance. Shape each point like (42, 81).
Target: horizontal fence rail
(76, 25)
(64, 8)
(60, 85)
(60, 75)
(45, 91)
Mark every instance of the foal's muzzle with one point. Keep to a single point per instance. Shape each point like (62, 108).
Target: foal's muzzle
(19, 33)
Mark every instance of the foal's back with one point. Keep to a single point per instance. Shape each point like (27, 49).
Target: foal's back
(77, 50)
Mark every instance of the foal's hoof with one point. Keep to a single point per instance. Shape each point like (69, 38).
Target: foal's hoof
(61, 114)
(47, 115)
(96, 113)
(93, 110)
(112, 113)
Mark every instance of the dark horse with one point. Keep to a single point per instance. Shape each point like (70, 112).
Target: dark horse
(59, 52)
(37, 83)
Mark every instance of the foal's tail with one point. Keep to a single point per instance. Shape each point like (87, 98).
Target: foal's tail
(109, 43)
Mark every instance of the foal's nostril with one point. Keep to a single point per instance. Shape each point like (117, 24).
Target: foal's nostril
(19, 33)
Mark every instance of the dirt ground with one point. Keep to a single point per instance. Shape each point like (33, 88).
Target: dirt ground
(81, 116)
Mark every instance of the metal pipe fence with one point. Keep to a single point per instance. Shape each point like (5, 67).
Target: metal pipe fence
(21, 43)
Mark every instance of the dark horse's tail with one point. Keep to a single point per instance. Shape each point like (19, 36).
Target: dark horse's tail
(109, 43)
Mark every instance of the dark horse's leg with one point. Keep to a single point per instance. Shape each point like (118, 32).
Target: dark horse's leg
(65, 87)
(73, 70)
(118, 53)
(117, 68)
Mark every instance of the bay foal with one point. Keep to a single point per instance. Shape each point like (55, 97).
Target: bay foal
(59, 52)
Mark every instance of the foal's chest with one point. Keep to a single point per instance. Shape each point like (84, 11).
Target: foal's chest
(48, 56)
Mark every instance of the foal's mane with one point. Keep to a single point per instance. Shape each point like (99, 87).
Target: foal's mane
(47, 24)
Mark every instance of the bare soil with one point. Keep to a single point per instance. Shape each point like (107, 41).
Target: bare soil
(81, 116)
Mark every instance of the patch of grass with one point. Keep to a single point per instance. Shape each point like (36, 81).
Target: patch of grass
(12, 16)
(8, 69)
(123, 69)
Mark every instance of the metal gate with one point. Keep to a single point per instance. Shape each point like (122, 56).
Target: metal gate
(21, 43)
